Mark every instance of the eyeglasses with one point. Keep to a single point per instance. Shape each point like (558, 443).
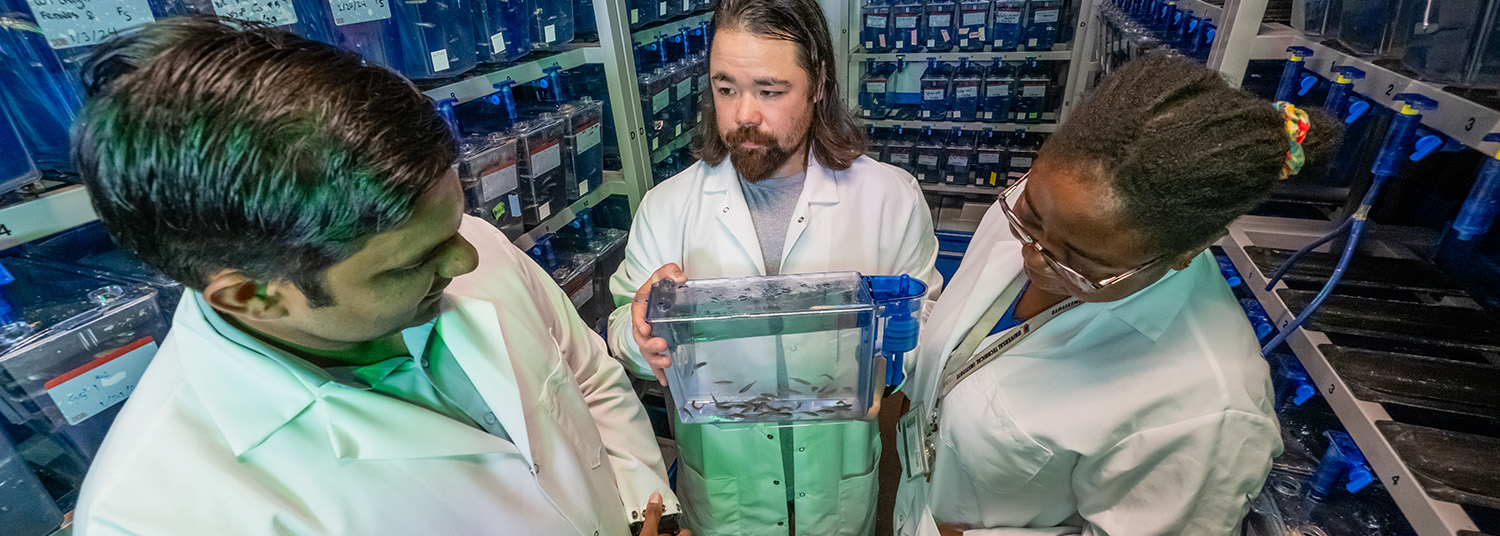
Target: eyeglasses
(1073, 277)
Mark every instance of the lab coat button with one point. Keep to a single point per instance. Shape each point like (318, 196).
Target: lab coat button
(726, 210)
(776, 482)
(801, 219)
(801, 449)
(489, 418)
(536, 468)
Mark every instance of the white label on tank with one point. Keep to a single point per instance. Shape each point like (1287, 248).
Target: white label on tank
(550, 32)
(1007, 17)
(875, 88)
(590, 137)
(973, 19)
(687, 5)
(1031, 43)
(102, 383)
(987, 115)
(1020, 162)
(934, 94)
(939, 21)
(440, 60)
(684, 88)
(497, 43)
(875, 21)
(1031, 90)
(989, 158)
(900, 158)
(931, 43)
(77, 23)
(583, 295)
(346, 12)
(583, 187)
(966, 92)
(498, 183)
(958, 161)
(546, 159)
(662, 8)
(907, 21)
(635, 16)
(927, 160)
(1045, 15)
(544, 211)
(997, 90)
(272, 12)
(515, 205)
(660, 100)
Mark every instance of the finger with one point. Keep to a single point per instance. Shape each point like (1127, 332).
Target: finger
(880, 381)
(661, 376)
(652, 514)
(656, 346)
(674, 272)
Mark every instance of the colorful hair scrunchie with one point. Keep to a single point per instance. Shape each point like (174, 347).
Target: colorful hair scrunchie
(1297, 126)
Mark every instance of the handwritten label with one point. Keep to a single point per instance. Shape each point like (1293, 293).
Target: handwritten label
(346, 12)
(900, 158)
(684, 89)
(997, 90)
(1007, 17)
(967, 92)
(1020, 162)
(273, 12)
(906, 21)
(497, 43)
(78, 23)
(102, 383)
(546, 159)
(550, 32)
(875, 21)
(1033, 90)
(934, 94)
(958, 161)
(939, 21)
(660, 100)
(590, 137)
(989, 158)
(875, 88)
(440, 60)
(1045, 15)
(498, 182)
(973, 19)
(927, 160)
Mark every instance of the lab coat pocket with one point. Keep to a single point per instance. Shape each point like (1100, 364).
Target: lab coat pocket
(991, 448)
(712, 506)
(857, 504)
(561, 399)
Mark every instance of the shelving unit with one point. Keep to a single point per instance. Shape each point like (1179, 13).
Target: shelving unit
(478, 86)
(614, 184)
(959, 189)
(969, 125)
(1061, 52)
(51, 213)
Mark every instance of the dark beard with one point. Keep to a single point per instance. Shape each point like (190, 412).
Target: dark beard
(755, 165)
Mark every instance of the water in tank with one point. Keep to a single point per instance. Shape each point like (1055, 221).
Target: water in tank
(1372, 27)
(502, 29)
(551, 24)
(1455, 42)
(16, 168)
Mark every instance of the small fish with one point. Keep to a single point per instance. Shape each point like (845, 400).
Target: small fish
(830, 377)
(700, 365)
(800, 380)
(716, 399)
(747, 387)
(810, 414)
(696, 405)
(768, 395)
(723, 382)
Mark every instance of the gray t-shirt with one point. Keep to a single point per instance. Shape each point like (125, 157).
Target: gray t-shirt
(772, 202)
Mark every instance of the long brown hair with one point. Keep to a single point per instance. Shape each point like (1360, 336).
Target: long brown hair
(836, 135)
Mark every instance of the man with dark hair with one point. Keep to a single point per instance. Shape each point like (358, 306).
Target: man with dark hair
(783, 187)
(356, 355)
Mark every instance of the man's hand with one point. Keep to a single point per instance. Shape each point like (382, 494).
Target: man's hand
(950, 530)
(653, 517)
(880, 362)
(654, 349)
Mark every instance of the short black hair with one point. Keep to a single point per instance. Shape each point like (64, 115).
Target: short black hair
(209, 144)
(837, 137)
(1185, 153)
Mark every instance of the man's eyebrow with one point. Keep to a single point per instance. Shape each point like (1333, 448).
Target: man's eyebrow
(771, 82)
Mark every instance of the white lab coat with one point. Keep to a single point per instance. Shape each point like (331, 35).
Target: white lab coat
(870, 218)
(225, 435)
(1150, 415)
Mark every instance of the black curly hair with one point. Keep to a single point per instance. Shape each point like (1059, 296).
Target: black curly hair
(1184, 152)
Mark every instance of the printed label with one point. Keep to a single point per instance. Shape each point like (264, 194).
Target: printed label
(550, 32)
(497, 43)
(583, 295)
(1007, 17)
(546, 159)
(440, 60)
(590, 137)
(635, 16)
(934, 94)
(1033, 90)
(927, 160)
(102, 383)
(989, 158)
(966, 92)
(662, 9)
(660, 100)
(997, 90)
(905, 21)
(875, 88)
(687, 5)
(973, 19)
(1045, 15)
(272, 12)
(901, 158)
(77, 23)
(498, 182)
(939, 21)
(958, 161)
(875, 21)
(684, 89)
(583, 187)
(346, 12)
(1020, 162)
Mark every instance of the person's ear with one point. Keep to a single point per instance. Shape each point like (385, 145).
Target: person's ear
(236, 294)
(1186, 259)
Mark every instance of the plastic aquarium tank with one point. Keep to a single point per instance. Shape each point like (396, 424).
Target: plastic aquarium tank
(973, 25)
(72, 347)
(906, 25)
(42, 94)
(1007, 28)
(967, 85)
(958, 166)
(584, 23)
(875, 29)
(88, 249)
(1455, 42)
(990, 159)
(29, 509)
(502, 29)
(1031, 102)
(487, 171)
(551, 24)
(931, 153)
(539, 153)
(16, 168)
(1043, 20)
(1371, 27)
(642, 12)
(941, 30)
(776, 349)
(937, 95)
(583, 161)
(874, 102)
(999, 83)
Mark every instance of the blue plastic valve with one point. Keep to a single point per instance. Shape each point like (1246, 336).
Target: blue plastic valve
(1309, 81)
(7, 313)
(445, 110)
(507, 97)
(1343, 461)
(543, 252)
(1425, 145)
(1483, 203)
(1357, 109)
(1400, 138)
(554, 79)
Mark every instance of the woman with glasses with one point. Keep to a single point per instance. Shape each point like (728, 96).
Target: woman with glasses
(1088, 370)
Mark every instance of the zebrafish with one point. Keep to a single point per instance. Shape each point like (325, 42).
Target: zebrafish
(747, 387)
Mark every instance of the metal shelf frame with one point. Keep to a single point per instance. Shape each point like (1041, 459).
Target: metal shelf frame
(668, 28)
(941, 188)
(1428, 516)
(1061, 52)
(478, 86)
(966, 125)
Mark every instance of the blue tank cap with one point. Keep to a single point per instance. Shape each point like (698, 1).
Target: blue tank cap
(1309, 81)
(505, 96)
(1416, 101)
(1349, 71)
(445, 110)
(1297, 53)
(1357, 109)
(1304, 392)
(1425, 146)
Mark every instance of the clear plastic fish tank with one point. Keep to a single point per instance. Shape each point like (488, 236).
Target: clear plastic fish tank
(1454, 42)
(488, 172)
(790, 348)
(1371, 27)
(16, 169)
(502, 29)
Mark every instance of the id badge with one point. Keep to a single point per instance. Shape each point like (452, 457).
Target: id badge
(916, 451)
